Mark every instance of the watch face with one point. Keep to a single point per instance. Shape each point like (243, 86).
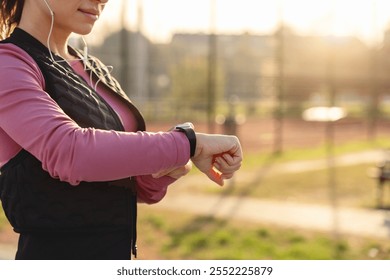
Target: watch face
(186, 125)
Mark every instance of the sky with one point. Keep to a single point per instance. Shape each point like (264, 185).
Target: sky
(365, 19)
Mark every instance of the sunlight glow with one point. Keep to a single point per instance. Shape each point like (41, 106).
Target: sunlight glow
(365, 19)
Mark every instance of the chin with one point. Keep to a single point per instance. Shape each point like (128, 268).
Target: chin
(84, 31)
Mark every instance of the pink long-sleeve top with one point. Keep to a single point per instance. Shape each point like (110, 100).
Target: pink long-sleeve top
(30, 119)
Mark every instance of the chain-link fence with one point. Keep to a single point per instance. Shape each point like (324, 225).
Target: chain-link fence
(275, 74)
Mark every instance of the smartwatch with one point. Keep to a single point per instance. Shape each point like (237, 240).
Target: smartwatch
(188, 130)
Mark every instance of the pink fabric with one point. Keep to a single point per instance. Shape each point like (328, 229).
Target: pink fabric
(30, 119)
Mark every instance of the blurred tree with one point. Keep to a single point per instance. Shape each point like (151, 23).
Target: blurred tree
(189, 86)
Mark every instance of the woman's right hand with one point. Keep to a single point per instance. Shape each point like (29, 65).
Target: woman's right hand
(217, 156)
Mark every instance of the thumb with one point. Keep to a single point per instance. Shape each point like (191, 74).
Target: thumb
(215, 176)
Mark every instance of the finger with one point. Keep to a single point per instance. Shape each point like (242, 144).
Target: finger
(215, 176)
(162, 173)
(236, 151)
(227, 176)
(179, 172)
(224, 167)
(228, 158)
(175, 172)
(156, 175)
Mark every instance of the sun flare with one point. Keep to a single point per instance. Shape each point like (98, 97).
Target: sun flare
(366, 19)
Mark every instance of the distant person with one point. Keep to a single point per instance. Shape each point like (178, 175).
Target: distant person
(74, 154)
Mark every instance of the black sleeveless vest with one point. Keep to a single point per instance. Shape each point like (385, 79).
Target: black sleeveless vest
(33, 201)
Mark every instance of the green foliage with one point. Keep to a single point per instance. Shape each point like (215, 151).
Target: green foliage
(254, 160)
(155, 221)
(205, 237)
(3, 219)
(353, 186)
(190, 86)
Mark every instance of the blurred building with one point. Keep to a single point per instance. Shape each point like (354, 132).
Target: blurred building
(128, 53)
(247, 67)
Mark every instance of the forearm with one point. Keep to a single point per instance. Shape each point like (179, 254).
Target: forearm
(104, 156)
(74, 154)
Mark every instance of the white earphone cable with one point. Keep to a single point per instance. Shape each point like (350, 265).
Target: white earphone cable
(84, 58)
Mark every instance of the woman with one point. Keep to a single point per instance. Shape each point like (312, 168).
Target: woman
(74, 155)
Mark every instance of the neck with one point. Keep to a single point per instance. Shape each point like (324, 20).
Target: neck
(40, 27)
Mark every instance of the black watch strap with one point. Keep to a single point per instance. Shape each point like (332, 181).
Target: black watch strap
(187, 129)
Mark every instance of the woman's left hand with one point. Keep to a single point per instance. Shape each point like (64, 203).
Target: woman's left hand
(175, 173)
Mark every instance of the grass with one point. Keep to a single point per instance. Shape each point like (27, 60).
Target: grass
(183, 236)
(353, 186)
(253, 160)
(3, 219)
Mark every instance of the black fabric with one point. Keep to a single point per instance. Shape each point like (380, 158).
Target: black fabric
(33, 201)
(70, 91)
(94, 246)
(42, 208)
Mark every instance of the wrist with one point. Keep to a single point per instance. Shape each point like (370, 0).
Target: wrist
(188, 130)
